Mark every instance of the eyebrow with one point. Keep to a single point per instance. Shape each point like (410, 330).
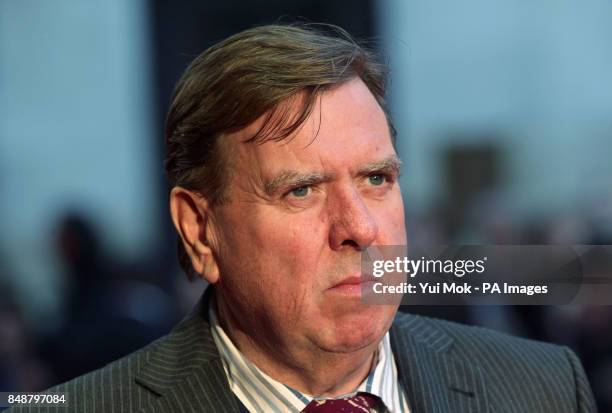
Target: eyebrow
(390, 165)
(294, 179)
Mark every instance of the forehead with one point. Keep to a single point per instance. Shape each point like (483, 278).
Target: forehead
(346, 129)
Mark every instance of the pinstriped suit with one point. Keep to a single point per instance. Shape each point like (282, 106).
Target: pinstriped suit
(444, 367)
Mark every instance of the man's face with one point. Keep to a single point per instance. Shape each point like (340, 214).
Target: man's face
(300, 211)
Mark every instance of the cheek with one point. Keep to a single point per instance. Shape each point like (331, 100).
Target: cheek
(392, 225)
(297, 245)
(279, 248)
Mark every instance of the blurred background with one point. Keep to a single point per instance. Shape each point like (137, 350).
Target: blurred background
(504, 113)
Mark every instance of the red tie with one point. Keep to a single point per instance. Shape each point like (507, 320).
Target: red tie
(360, 403)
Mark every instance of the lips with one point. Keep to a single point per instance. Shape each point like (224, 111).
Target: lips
(352, 282)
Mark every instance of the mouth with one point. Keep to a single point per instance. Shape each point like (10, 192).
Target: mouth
(352, 285)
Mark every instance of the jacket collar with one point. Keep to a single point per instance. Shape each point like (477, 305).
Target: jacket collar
(434, 376)
(185, 369)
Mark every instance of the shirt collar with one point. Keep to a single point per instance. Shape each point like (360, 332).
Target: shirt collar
(259, 392)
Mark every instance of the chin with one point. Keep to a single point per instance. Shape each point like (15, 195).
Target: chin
(358, 331)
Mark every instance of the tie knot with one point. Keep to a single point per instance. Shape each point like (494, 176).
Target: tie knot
(359, 403)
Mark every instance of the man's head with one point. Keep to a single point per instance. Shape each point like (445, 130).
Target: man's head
(281, 157)
(245, 77)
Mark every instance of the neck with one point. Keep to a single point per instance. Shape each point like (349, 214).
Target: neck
(311, 371)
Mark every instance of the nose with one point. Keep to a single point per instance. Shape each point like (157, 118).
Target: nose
(352, 222)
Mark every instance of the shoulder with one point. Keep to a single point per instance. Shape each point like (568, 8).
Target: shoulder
(507, 361)
(467, 336)
(142, 377)
(139, 378)
(110, 388)
(483, 345)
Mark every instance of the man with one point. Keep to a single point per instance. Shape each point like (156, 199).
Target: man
(280, 154)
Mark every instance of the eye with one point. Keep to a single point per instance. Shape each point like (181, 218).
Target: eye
(377, 179)
(300, 192)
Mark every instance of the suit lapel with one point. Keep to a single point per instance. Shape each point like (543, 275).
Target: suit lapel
(434, 378)
(205, 390)
(185, 370)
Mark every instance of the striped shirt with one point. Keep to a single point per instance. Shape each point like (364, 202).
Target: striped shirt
(261, 393)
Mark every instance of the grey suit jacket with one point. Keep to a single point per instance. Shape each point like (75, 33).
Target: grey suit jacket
(443, 366)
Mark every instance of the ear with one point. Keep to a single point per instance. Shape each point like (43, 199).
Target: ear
(191, 216)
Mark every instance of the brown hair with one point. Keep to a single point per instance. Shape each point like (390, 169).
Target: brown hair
(249, 75)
